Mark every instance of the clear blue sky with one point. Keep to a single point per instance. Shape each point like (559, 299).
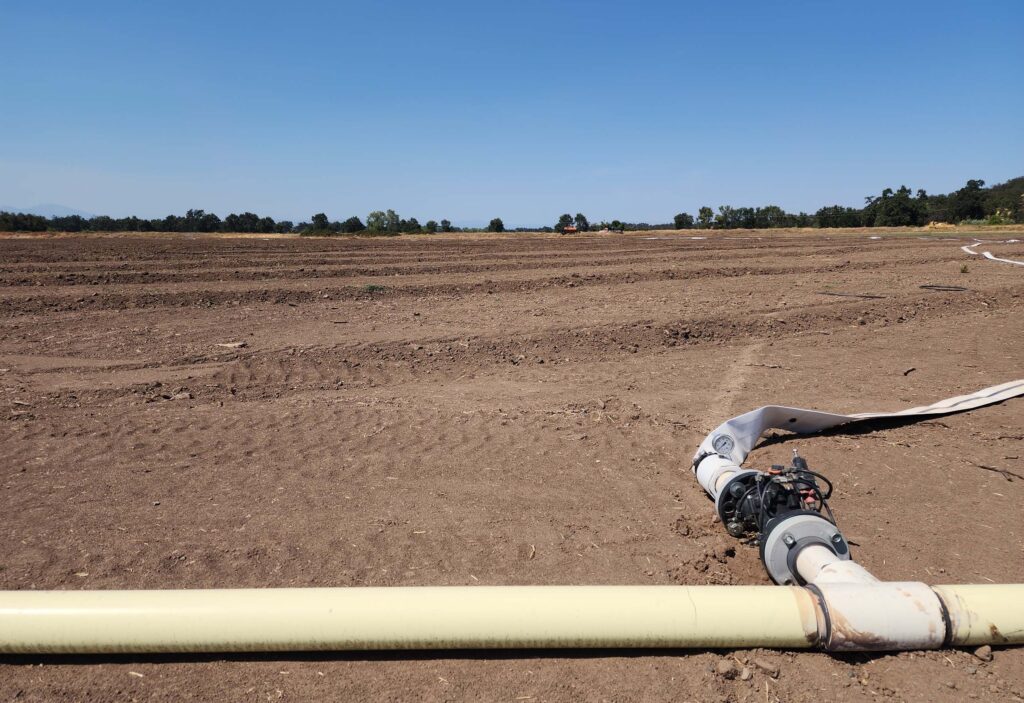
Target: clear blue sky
(523, 110)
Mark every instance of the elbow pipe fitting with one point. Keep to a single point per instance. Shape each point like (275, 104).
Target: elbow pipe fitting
(885, 616)
(880, 616)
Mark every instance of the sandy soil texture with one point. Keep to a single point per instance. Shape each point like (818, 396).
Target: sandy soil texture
(190, 412)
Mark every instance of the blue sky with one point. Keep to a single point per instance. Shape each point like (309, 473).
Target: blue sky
(523, 110)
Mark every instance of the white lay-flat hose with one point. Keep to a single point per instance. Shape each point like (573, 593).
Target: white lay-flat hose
(723, 451)
(969, 249)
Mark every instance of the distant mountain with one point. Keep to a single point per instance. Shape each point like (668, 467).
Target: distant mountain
(46, 210)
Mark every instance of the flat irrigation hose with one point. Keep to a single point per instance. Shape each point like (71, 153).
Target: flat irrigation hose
(725, 449)
(969, 249)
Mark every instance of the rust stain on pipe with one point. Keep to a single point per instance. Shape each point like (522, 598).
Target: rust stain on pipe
(844, 636)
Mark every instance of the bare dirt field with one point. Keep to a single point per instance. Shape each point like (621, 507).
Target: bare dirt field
(211, 412)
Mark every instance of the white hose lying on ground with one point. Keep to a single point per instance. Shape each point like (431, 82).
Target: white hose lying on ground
(969, 249)
(729, 444)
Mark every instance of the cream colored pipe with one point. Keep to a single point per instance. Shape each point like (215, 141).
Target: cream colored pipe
(311, 619)
(984, 614)
(831, 615)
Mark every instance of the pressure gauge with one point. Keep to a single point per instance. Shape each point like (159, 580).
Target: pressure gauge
(723, 444)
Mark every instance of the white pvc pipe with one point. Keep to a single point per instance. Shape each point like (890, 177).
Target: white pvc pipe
(714, 472)
(882, 616)
(818, 564)
(862, 612)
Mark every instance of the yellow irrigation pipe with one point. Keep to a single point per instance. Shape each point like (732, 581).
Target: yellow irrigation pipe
(984, 613)
(500, 617)
(456, 617)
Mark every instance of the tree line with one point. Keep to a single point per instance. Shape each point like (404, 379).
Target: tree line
(202, 221)
(974, 204)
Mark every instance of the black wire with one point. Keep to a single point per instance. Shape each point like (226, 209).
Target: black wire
(795, 489)
(742, 501)
(762, 513)
(824, 480)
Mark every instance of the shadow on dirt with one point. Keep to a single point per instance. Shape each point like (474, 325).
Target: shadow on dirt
(396, 656)
(861, 427)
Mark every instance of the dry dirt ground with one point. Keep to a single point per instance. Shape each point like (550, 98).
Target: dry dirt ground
(492, 410)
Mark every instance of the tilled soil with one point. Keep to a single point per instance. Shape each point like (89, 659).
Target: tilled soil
(187, 412)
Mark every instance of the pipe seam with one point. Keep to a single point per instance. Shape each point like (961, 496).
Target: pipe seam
(946, 620)
(825, 625)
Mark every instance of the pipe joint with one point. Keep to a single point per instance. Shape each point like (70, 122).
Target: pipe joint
(714, 472)
(983, 614)
(880, 616)
(786, 538)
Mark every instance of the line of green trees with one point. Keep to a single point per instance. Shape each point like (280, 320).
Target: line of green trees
(974, 203)
(377, 222)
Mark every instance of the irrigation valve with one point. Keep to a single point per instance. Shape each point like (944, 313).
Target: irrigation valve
(786, 509)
